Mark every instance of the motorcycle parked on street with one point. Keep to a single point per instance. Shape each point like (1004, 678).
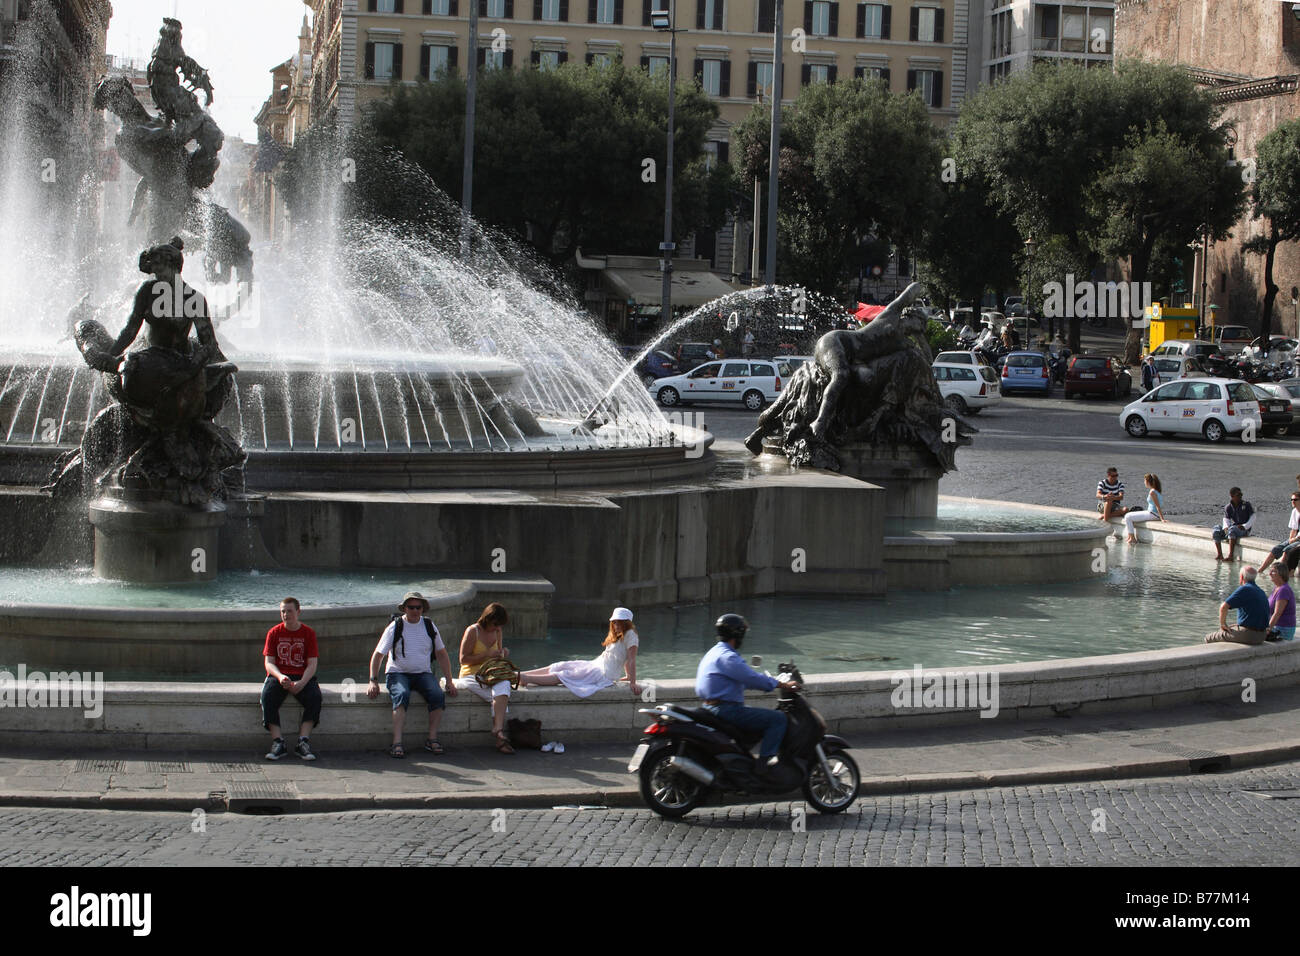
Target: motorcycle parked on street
(689, 752)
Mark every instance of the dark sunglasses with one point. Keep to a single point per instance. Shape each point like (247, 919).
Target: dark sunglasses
(414, 607)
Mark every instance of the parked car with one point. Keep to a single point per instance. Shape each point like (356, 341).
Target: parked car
(993, 320)
(967, 388)
(656, 365)
(1280, 349)
(1276, 410)
(1013, 303)
(753, 384)
(1026, 371)
(1097, 375)
(1213, 407)
(1172, 367)
(961, 358)
(1232, 338)
(787, 365)
(691, 354)
(1199, 348)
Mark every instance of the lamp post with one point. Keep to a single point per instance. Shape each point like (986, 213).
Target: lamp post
(1031, 246)
(665, 22)
(467, 187)
(774, 149)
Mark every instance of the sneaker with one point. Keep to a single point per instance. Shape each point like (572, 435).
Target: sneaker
(303, 749)
(278, 749)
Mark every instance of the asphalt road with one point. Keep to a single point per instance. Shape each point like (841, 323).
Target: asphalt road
(1050, 451)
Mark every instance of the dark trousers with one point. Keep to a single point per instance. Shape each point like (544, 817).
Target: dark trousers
(273, 696)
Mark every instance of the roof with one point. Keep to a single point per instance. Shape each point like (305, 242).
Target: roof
(690, 286)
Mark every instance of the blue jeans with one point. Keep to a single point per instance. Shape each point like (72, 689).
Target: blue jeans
(1285, 547)
(399, 689)
(770, 722)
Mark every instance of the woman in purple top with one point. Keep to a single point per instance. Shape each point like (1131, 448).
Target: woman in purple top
(1281, 604)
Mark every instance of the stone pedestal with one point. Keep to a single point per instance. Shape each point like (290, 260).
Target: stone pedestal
(147, 540)
(909, 476)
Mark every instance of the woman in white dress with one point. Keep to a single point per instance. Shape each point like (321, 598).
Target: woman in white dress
(584, 678)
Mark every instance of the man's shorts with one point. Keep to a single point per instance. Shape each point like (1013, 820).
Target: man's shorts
(1285, 547)
(1117, 505)
(1236, 533)
(400, 686)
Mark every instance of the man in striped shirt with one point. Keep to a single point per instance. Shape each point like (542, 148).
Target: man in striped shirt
(1110, 495)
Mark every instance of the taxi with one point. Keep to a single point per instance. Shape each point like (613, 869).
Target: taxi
(749, 383)
(1212, 407)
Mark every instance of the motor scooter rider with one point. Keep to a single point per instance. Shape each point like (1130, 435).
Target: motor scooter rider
(720, 682)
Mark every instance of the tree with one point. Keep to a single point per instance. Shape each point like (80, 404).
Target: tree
(854, 162)
(1275, 198)
(566, 157)
(970, 245)
(1095, 157)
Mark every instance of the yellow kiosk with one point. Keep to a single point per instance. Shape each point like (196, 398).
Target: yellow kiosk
(1165, 323)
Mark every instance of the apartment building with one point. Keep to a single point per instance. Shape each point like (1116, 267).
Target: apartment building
(284, 114)
(1247, 54)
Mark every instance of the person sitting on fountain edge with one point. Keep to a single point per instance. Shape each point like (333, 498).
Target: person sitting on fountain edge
(721, 680)
(291, 659)
(411, 641)
(1251, 604)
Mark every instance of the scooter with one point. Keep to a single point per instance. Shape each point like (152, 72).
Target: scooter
(689, 752)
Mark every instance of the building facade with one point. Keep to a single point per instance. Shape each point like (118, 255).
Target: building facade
(285, 113)
(1247, 53)
(1015, 35)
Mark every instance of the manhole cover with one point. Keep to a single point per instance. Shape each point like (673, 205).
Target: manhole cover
(165, 766)
(99, 766)
(235, 767)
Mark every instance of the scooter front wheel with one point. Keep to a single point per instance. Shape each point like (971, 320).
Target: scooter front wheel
(666, 790)
(837, 792)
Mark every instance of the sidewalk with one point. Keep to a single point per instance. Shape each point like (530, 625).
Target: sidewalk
(1205, 737)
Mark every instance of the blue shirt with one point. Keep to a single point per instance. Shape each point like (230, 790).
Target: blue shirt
(723, 674)
(1252, 606)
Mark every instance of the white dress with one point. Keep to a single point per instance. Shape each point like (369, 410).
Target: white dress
(584, 678)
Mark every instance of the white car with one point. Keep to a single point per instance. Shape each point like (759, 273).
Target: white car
(967, 387)
(961, 358)
(1194, 347)
(787, 364)
(1171, 367)
(752, 383)
(1213, 407)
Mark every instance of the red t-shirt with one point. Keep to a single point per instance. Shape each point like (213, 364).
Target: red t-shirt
(291, 649)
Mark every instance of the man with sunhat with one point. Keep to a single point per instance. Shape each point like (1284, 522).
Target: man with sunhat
(410, 641)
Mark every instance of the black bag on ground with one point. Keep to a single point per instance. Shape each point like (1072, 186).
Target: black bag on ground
(525, 734)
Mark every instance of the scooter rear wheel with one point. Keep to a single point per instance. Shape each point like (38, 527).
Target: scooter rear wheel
(836, 794)
(666, 790)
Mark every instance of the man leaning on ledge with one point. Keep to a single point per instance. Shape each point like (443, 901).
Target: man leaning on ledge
(1251, 605)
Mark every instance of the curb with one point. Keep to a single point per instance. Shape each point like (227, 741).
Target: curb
(622, 797)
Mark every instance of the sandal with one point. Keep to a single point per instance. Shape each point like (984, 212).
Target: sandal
(397, 750)
(433, 746)
(502, 744)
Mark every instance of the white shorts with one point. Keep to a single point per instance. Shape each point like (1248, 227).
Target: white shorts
(500, 689)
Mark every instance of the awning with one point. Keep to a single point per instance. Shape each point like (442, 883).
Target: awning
(689, 287)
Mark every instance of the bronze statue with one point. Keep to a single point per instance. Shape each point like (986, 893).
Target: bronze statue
(871, 385)
(159, 435)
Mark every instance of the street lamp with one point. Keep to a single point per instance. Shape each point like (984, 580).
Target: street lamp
(774, 148)
(1031, 246)
(663, 21)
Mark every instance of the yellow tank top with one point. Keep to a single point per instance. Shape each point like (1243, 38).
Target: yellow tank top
(467, 670)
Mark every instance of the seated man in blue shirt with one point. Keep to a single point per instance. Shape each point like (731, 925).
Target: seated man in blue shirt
(721, 681)
(1251, 605)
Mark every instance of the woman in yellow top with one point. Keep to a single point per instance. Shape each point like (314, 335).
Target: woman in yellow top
(481, 642)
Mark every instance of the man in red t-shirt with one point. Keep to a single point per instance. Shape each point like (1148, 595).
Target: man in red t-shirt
(291, 658)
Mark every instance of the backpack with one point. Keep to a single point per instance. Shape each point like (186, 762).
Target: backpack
(399, 647)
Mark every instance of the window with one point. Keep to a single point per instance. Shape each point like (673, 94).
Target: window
(495, 9)
(1169, 393)
(821, 19)
(386, 6)
(963, 374)
(489, 59)
(657, 65)
(711, 77)
(927, 25)
(873, 21)
(766, 16)
(383, 61)
(436, 60)
(604, 11)
(548, 60)
(1073, 20)
(1047, 27)
(930, 85)
(818, 73)
(735, 369)
(763, 370)
(762, 76)
(707, 371)
(872, 73)
(441, 8)
(708, 14)
(1100, 28)
(549, 9)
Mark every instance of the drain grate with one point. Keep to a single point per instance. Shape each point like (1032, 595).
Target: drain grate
(167, 766)
(1187, 752)
(235, 767)
(250, 796)
(99, 766)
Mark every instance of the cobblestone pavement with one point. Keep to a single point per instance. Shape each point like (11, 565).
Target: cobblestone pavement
(1247, 817)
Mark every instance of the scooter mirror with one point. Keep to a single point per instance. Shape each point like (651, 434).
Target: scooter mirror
(756, 661)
